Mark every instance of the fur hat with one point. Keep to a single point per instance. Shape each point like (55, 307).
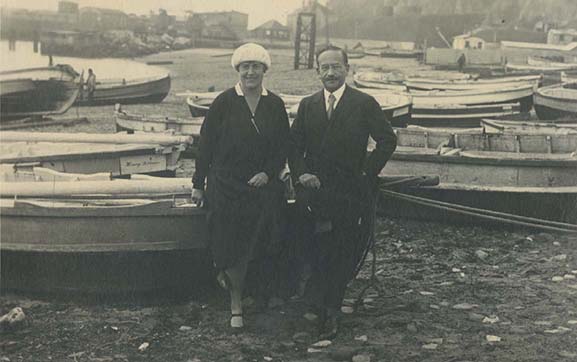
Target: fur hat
(250, 52)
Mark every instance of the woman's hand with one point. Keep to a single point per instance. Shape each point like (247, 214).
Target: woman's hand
(258, 180)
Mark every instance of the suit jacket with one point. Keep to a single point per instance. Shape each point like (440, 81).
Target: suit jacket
(341, 141)
(335, 150)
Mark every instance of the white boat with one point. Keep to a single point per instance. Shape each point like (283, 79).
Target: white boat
(556, 102)
(504, 126)
(513, 94)
(118, 154)
(537, 62)
(471, 84)
(467, 108)
(131, 122)
(458, 115)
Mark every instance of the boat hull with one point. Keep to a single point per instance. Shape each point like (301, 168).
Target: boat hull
(123, 249)
(545, 188)
(555, 102)
(125, 161)
(37, 92)
(560, 206)
(462, 116)
(144, 92)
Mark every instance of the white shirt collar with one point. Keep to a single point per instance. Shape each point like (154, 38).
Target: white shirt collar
(239, 91)
(338, 94)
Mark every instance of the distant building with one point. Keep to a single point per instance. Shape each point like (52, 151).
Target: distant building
(67, 7)
(162, 22)
(59, 42)
(226, 25)
(484, 38)
(271, 30)
(561, 36)
(92, 18)
(467, 41)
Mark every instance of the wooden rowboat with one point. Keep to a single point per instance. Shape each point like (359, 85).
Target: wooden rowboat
(37, 91)
(199, 103)
(532, 175)
(131, 122)
(503, 126)
(119, 154)
(471, 84)
(132, 91)
(94, 234)
(556, 102)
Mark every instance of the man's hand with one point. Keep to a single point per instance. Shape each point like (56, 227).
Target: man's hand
(309, 181)
(197, 197)
(258, 180)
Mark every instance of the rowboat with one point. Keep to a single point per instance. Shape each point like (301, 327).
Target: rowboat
(131, 243)
(356, 55)
(401, 53)
(556, 102)
(458, 115)
(388, 52)
(37, 91)
(131, 122)
(529, 175)
(199, 103)
(471, 84)
(379, 80)
(522, 93)
(535, 65)
(119, 154)
(501, 126)
(128, 91)
(466, 108)
(537, 62)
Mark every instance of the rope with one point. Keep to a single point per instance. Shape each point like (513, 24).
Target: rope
(499, 217)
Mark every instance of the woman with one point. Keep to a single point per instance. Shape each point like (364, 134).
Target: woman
(242, 150)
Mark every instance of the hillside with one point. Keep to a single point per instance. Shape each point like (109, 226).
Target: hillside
(418, 20)
(514, 12)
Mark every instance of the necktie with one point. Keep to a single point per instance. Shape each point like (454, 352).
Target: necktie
(331, 108)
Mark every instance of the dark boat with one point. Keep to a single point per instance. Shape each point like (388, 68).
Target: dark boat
(147, 90)
(37, 91)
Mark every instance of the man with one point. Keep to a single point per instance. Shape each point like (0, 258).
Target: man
(336, 181)
(90, 84)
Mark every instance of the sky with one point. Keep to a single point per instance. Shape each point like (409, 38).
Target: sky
(259, 11)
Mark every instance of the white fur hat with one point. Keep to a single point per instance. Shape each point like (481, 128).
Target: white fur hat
(250, 52)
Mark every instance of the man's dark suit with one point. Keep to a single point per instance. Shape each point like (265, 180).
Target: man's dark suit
(335, 151)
